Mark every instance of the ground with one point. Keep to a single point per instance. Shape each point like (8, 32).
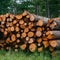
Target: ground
(21, 55)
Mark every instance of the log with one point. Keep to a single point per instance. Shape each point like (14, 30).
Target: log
(32, 47)
(39, 44)
(17, 41)
(33, 29)
(53, 34)
(27, 38)
(7, 48)
(12, 17)
(14, 22)
(16, 50)
(31, 40)
(27, 16)
(51, 49)
(22, 26)
(38, 33)
(55, 25)
(5, 33)
(26, 29)
(18, 35)
(30, 25)
(40, 29)
(39, 40)
(30, 34)
(7, 15)
(12, 28)
(16, 46)
(23, 46)
(36, 17)
(8, 40)
(39, 23)
(55, 43)
(17, 29)
(9, 29)
(19, 16)
(40, 49)
(53, 53)
(45, 38)
(21, 22)
(45, 44)
(13, 37)
(23, 35)
(31, 17)
(24, 13)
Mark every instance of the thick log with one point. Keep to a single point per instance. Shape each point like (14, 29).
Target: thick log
(53, 34)
(55, 44)
(56, 23)
(32, 47)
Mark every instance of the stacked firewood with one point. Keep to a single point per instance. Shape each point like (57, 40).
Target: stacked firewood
(29, 32)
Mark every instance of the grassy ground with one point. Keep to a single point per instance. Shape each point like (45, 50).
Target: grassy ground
(26, 56)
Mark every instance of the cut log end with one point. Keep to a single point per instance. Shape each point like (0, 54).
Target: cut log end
(40, 23)
(23, 46)
(40, 49)
(32, 47)
(53, 43)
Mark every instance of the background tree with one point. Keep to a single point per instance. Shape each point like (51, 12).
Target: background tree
(48, 8)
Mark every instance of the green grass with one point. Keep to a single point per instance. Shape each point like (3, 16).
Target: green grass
(21, 55)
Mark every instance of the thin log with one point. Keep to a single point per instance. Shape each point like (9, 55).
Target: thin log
(13, 37)
(39, 40)
(23, 35)
(40, 49)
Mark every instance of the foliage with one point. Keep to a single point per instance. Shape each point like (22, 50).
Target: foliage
(40, 7)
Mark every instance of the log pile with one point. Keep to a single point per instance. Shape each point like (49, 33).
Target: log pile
(29, 31)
